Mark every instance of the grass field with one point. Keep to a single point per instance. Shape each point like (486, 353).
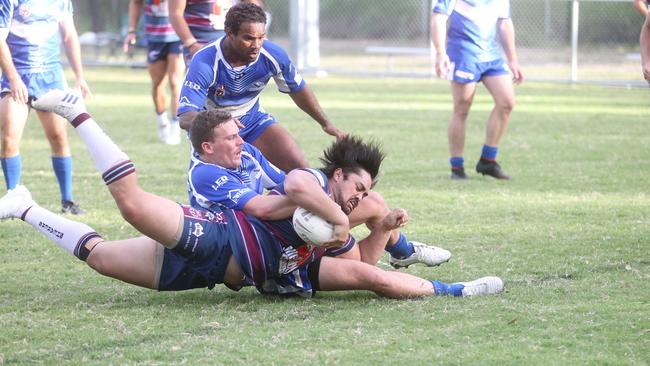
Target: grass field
(570, 236)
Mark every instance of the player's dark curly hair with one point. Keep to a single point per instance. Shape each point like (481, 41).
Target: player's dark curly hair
(351, 154)
(204, 124)
(243, 13)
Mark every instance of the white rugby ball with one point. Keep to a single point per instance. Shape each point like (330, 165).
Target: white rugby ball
(313, 229)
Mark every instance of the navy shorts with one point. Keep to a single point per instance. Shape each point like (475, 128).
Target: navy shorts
(37, 83)
(201, 256)
(159, 50)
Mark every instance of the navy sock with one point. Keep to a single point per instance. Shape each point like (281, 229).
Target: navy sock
(489, 153)
(453, 289)
(63, 170)
(401, 249)
(457, 162)
(11, 168)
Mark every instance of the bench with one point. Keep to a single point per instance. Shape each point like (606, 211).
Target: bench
(400, 51)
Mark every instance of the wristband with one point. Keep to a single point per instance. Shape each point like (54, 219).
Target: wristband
(191, 42)
(132, 31)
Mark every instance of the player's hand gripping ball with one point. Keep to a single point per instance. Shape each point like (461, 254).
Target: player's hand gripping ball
(313, 229)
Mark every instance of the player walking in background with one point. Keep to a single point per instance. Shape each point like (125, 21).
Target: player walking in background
(473, 55)
(644, 40)
(164, 59)
(31, 33)
(186, 248)
(232, 72)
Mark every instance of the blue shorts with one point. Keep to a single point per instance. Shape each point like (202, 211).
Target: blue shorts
(159, 50)
(256, 121)
(472, 72)
(201, 257)
(37, 83)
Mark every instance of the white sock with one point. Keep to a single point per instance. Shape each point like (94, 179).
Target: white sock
(105, 153)
(162, 119)
(69, 235)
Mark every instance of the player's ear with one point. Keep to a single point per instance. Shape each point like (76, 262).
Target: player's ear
(338, 174)
(207, 147)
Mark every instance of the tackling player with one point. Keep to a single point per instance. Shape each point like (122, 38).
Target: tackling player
(473, 55)
(226, 172)
(231, 72)
(187, 248)
(31, 33)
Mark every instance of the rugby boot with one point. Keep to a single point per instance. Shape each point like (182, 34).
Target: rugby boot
(14, 204)
(483, 286)
(425, 254)
(66, 103)
(491, 168)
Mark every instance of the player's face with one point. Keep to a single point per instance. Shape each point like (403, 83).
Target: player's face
(246, 44)
(348, 190)
(226, 146)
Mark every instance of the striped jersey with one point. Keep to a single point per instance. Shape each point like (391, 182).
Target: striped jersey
(34, 39)
(156, 22)
(472, 28)
(205, 18)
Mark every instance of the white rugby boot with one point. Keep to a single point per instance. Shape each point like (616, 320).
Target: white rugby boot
(174, 134)
(489, 285)
(425, 254)
(66, 103)
(14, 204)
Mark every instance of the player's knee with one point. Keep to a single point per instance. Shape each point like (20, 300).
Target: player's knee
(506, 106)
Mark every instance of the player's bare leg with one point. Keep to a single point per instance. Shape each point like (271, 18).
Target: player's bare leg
(463, 96)
(280, 148)
(13, 117)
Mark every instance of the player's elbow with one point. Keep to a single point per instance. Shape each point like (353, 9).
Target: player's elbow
(260, 211)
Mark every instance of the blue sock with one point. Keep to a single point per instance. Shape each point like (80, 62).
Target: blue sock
(456, 162)
(489, 152)
(11, 168)
(401, 249)
(63, 170)
(453, 289)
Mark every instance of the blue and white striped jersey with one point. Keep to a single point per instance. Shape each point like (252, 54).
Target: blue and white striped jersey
(34, 39)
(472, 32)
(213, 186)
(212, 83)
(157, 25)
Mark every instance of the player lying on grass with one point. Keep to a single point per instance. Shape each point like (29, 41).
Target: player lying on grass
(184, 248)
(227, 172)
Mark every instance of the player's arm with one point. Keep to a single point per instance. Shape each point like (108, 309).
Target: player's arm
(306, 100)
(641, 6)
(176, 18)
(270, 207)
(439, 39)
(135, 9)
(18, 88)
(644, 40)
(72, 48)
(305, 191)
(370, 247)
(507, 37)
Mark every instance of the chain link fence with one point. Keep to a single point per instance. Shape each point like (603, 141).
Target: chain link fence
(388, 37)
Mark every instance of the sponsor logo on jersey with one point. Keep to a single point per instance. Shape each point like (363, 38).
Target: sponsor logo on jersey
(221, 90)
(293, 258)
(198, 230)
(235, 194)
(192, 85)
(219, 182)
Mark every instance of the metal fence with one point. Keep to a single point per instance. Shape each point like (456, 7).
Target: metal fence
(557, 40)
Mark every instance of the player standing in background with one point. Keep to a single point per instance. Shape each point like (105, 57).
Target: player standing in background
(187, 248)
(164, 59)
(31, 33)
(198, 22)
(232, 72)
(473, 55)
(644, 40)
(642, 6)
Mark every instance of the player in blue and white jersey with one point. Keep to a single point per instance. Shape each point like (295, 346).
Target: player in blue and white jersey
(164, 59)
(31, 33)
(644, 40)
(473, 54)
(227, 172)
(231, 73)
(185, 248)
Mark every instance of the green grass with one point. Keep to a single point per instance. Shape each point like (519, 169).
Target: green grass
(569, 235)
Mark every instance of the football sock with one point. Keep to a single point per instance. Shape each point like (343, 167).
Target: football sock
(11, 168)
(401, 249)
(63, 170)
(162, 119)
(69, 235)
(489, 153)
(456, 162)
(109, 159)
(453, 289)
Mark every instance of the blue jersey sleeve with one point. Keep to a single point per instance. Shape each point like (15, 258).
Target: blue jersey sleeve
(6, 10)
(271, 175)
(199, 78)
(442, 6)
(215, 186)
(287, 78)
